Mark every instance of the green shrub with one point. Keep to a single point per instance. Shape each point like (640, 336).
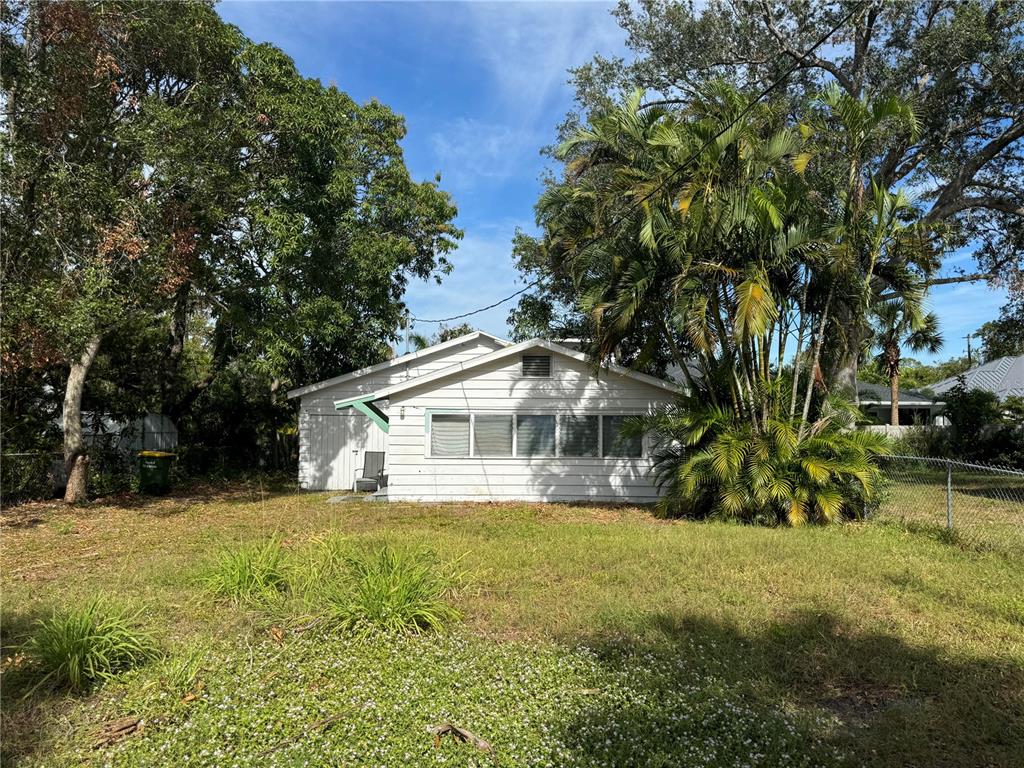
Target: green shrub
(26, 476)
(925, 440)
(396, 591)
(254, 572)
(80, 647)
(710, 464)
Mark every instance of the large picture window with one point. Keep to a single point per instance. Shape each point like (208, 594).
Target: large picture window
(535, 435)
(527, 435)
(492, 435)
(449, 434)
(616, 443)
(578, 436)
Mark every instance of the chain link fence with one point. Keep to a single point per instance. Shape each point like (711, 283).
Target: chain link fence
(977, 505)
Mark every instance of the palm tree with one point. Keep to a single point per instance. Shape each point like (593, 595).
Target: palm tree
(896, 324)
(703, 226)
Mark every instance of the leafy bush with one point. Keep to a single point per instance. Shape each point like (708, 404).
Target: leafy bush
(970, 412)
(396, 591)
(713, 465)
(255, 572)
(924, 440)
(80, 647)
(26, 476)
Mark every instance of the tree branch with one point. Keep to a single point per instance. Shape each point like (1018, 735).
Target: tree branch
(973, 277)
(806, 61)
(949, 200)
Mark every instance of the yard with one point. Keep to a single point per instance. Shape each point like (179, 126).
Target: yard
(590, 636)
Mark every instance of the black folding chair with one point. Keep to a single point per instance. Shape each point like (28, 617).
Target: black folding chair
(372, 477)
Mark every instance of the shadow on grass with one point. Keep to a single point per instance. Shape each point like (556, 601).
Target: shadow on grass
(871, 697)
(22, 709)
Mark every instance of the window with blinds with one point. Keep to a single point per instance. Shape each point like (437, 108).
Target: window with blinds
(535, 435)
(492, 435)
(578, 436)
(537, 365)
(616, 443)
(449, 434)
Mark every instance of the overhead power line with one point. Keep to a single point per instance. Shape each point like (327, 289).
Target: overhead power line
(682, 166)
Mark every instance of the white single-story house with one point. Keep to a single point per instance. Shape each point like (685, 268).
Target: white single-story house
(478, 418)
(915, 407)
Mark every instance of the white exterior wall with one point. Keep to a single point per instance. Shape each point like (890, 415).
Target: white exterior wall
(332, 443)
(499, 387)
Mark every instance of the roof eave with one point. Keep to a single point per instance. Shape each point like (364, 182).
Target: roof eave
(353, 375)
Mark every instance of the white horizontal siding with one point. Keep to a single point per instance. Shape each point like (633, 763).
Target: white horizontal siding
(500, 388)
(332, 443)
(322, 401)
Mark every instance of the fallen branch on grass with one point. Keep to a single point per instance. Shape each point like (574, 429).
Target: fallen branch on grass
(115, 730)
(459, 734)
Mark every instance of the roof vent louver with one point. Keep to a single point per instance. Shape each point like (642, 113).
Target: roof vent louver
(537, 365)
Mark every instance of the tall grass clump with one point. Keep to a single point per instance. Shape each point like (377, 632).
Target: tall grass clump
(82, 646)
(251, 573)
(387, 589)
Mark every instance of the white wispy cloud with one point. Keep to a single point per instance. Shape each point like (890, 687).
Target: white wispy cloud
(473, 151)
(529, 47)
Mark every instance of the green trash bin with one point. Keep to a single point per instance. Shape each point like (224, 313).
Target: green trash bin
(155, 472)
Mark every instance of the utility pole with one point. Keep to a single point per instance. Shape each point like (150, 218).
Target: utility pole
(970, 359)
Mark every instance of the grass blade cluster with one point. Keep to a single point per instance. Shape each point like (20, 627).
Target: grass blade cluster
(77, 648)
(252, 573)
(387, 589)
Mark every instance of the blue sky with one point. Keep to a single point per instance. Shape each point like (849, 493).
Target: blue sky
(482, 87)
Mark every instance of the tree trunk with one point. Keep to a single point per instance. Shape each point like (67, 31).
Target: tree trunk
(816, 361)
(894, 400)
(76, 461)
(797, 360)
(169, 383)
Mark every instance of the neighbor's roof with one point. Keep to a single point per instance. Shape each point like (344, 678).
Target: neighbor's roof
(511, 351)
(1004, 377)
(425, 352)
(878, 394)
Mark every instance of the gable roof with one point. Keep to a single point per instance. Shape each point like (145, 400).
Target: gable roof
(419, 354)
(877, 394)
(1003, 376)
(510, 351)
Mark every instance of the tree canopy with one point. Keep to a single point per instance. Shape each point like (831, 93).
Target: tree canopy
(172, 188)
(954, 64)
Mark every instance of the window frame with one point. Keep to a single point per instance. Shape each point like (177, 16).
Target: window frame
(643, 438)
(558, 416)
(554, 447)
(562, 417)
(511, 416)
(429, 441)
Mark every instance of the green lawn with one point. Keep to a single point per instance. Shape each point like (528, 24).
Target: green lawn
(591, 636)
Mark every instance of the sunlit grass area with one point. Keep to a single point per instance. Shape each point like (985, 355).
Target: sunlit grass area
(576, 635)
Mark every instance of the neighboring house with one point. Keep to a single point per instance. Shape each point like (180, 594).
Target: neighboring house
(915, 408)
(1003, 376)
(477, 418)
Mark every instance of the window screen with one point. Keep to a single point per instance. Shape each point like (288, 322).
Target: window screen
(449, 434)
(579, 436)
(492, 435)
(537, 365)
(617, 444)
(535, 435)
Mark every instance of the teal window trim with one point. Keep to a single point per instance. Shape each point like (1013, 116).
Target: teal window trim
(366, 407)
(428, 411)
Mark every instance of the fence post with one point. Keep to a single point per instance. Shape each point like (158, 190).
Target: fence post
(949, 495)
